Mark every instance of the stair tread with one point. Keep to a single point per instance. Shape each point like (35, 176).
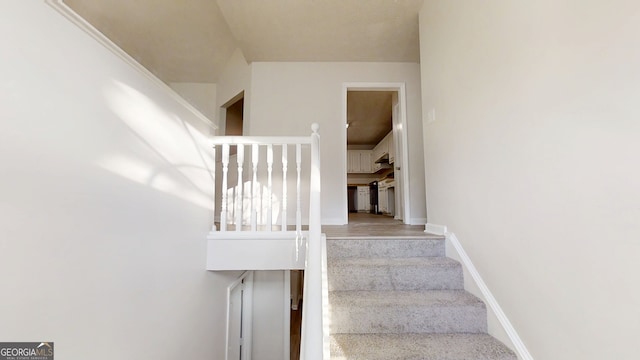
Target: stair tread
(459, 346)
(408, 261)
(404, 300)
(385, 237)
(361, 298)
(371, 248)
(411, 273)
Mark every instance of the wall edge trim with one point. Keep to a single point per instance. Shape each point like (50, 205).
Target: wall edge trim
(90, 30)
(520, 349)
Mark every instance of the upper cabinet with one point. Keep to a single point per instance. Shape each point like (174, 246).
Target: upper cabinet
(384, 150)
(372, 161)
(381, 154)
(381, 151)
(359, 161)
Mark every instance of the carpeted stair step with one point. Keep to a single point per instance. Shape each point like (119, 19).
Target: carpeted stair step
(381, 247)
(426, 273)
(402, 299)
(427, 311)
(418, 347)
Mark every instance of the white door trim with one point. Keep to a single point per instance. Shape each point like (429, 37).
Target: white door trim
(400, 88)
(247, 307)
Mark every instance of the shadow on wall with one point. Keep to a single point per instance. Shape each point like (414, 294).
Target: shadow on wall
(247, 201)
(256, 197)
(188, 171)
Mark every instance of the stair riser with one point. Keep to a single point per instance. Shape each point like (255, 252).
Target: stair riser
(395, 278)
(418, 346)
(399, 248)
(410, 319)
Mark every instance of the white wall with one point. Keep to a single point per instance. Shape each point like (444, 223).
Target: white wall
(286, 98)
(235, 79)
(202, 96)
(532, 162)
(104, 202)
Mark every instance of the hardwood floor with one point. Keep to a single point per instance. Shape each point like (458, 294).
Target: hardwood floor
(360, 224)
(365, 224)
(296, 327)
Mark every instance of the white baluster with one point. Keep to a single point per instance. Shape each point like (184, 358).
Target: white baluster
(269, 186)
(239, 200)
(255, 153)
(298, 204)
(284, 187)
(223, 204)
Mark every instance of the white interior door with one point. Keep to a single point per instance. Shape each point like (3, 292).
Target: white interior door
(397, 144)
(239, 317)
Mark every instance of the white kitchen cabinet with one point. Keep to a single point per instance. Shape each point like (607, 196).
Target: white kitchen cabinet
(359, 161)
(384, 148)
(364, 199)
(383, 203)
(380, 150)
(353, 161)
(375, 153)
(380, 154)
(365, 161)
(386, 196)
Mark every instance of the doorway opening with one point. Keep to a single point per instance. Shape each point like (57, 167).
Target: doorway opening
(233, 116)
(376, 178)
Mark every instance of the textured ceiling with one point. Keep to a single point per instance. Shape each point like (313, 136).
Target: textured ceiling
(178, 41)
(369, 116)
(191, 40)
(325, 30)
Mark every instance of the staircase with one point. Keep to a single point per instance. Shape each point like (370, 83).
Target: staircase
(403, 299)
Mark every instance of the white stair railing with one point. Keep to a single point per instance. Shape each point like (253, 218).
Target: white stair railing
(312, 328)
(251, 206)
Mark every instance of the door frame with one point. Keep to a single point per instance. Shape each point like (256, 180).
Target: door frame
(401, 127)
(246, 280)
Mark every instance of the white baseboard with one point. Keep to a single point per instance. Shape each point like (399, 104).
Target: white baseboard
(435, 229)
(417, 221)
(519, 347)
(332, 221)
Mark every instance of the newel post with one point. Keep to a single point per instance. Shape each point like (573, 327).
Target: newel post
(312, 318)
